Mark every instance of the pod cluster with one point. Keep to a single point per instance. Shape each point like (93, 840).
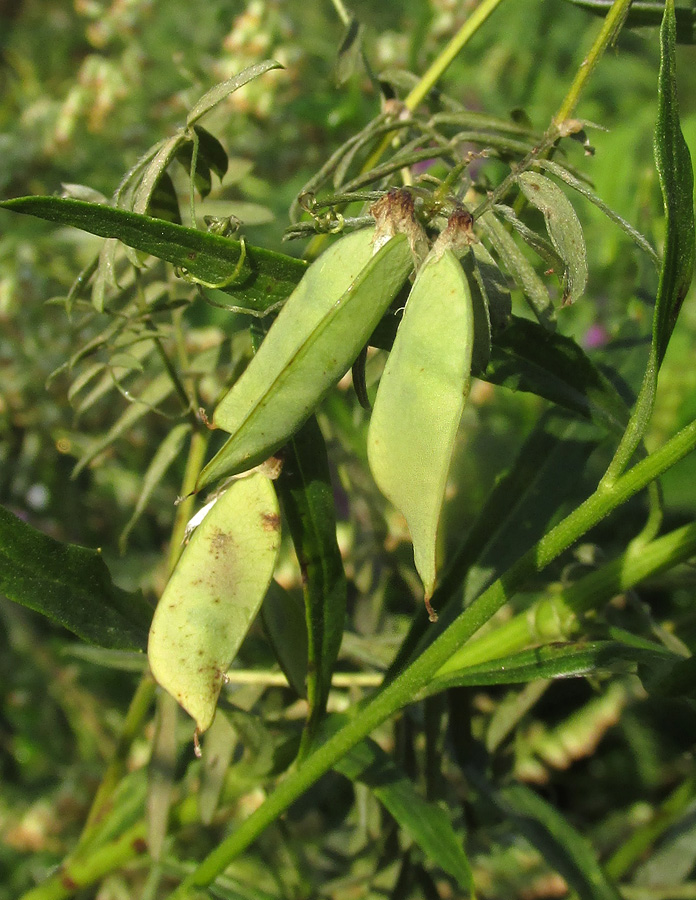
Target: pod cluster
(224, 572)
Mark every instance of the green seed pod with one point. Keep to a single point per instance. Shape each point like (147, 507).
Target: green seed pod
(214, 594)
(315, 339)
(420, 401)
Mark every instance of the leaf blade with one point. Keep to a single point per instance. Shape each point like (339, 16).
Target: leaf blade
(70, 585)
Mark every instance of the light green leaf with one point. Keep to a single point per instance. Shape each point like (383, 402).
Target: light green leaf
(519, 267)
(153, 394)
(164, 456)
(313, 342)
(217, 93)
(582, 188)
(420, 401)
(214, 594)
(564, 230)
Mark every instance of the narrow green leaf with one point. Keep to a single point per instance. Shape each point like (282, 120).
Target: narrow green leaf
(167, 452)
(286, 628)
(420, 402)
(315, 339)
(266, 277)
(425, 823)
(675, 172)
(70, 585)
(526, 357)
(112, 378)
(153, 172)
(153, 394)
(306, 495)
(564, 660)
(676, 177)
(161, 772)
(563, 227)
(650, 12)
(582, 188)
(519, 268)
(218, 751)
(562, 846)
(348, 57)
(217, 93)
(213, 595)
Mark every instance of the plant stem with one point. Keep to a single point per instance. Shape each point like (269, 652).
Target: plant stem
(613, 22)
(437, 69)
(136, 717)
(413, 679)
(76, 874)
(589, 592)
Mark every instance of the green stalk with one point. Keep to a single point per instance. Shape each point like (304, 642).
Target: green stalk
(437, 69)
(416, 677)
(426, 83)
(76, 874)
(613, 22)
(565, 608)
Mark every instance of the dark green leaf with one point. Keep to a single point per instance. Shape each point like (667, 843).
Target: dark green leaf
(306, 495)
(284, 621)
(676, 176)
(425, 823)
(526, 357)
(211, 151)
(266, 277)
(70, 585)
(164, 203)
(203, 180)
(649, 12)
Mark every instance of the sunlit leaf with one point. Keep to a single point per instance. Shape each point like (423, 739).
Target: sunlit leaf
(564, 230)
(266, 278)
(217, 93)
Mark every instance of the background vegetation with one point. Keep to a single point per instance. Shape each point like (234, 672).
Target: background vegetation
(87, 87)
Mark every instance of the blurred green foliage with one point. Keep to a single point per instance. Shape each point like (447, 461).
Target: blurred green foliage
(86, 88)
